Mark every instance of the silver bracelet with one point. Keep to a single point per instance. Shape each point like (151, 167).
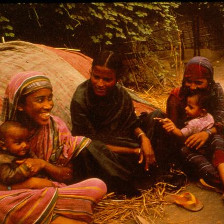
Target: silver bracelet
(142, 133)
(209, 132)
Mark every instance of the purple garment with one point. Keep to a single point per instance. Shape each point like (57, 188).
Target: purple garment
(197, 125)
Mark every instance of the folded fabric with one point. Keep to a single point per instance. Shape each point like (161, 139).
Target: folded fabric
(185, 200)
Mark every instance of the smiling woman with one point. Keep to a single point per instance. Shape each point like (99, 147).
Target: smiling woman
(38, 106)
(28, 99)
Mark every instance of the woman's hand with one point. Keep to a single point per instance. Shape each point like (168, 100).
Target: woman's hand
(30, 183)
(35, 165)
(34, 183)
(146, 152)
(197, 140)
(38, 183)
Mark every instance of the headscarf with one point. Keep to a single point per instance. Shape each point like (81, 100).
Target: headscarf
(53, 142)
(21, 84)
(199, 68)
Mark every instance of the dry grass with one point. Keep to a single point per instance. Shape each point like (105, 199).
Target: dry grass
(157, 98)
(150, 206)
(157, 95)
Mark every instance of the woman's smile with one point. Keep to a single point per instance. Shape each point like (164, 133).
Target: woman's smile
(38, 106)
(45, 115)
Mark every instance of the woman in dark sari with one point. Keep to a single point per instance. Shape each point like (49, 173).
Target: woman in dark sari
(102, 110)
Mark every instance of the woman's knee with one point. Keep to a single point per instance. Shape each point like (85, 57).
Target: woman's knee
(93, 187)
(99, 184)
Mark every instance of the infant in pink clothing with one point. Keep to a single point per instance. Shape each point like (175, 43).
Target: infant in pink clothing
(196, 111)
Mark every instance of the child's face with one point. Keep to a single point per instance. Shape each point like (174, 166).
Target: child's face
(16, 141)
(192, 109)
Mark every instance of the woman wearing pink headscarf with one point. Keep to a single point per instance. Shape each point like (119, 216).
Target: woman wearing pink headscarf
(28, 99)
(198, 76)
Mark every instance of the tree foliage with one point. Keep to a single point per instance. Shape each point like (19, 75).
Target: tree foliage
(146, 27)
(100, 23)
(109, 23)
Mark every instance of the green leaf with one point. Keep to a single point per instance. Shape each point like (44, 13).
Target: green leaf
(2, 18)
(141, 14)
(8, 27)
(95, 39)
(109, 35)
(108, 42)
(69, 27)
(9, 34)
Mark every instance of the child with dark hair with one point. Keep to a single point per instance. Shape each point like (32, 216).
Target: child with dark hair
(196, 110)
(14, 146)
(197, 113)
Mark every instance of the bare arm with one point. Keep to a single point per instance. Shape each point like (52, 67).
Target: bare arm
(11, 175)
(146, 152)
(57, 173)
(199, 139)
(30, 183)
(124, 150)
(169, 126)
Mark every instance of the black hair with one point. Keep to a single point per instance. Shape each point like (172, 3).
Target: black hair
(111, 60)
(5, 127)
(203, 99)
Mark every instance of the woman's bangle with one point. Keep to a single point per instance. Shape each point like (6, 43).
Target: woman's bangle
(142, 133)
(209, 132)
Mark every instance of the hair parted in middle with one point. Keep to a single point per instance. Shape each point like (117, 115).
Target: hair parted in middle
(111, 60)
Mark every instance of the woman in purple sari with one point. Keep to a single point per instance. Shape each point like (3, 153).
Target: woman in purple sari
(52, 199)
